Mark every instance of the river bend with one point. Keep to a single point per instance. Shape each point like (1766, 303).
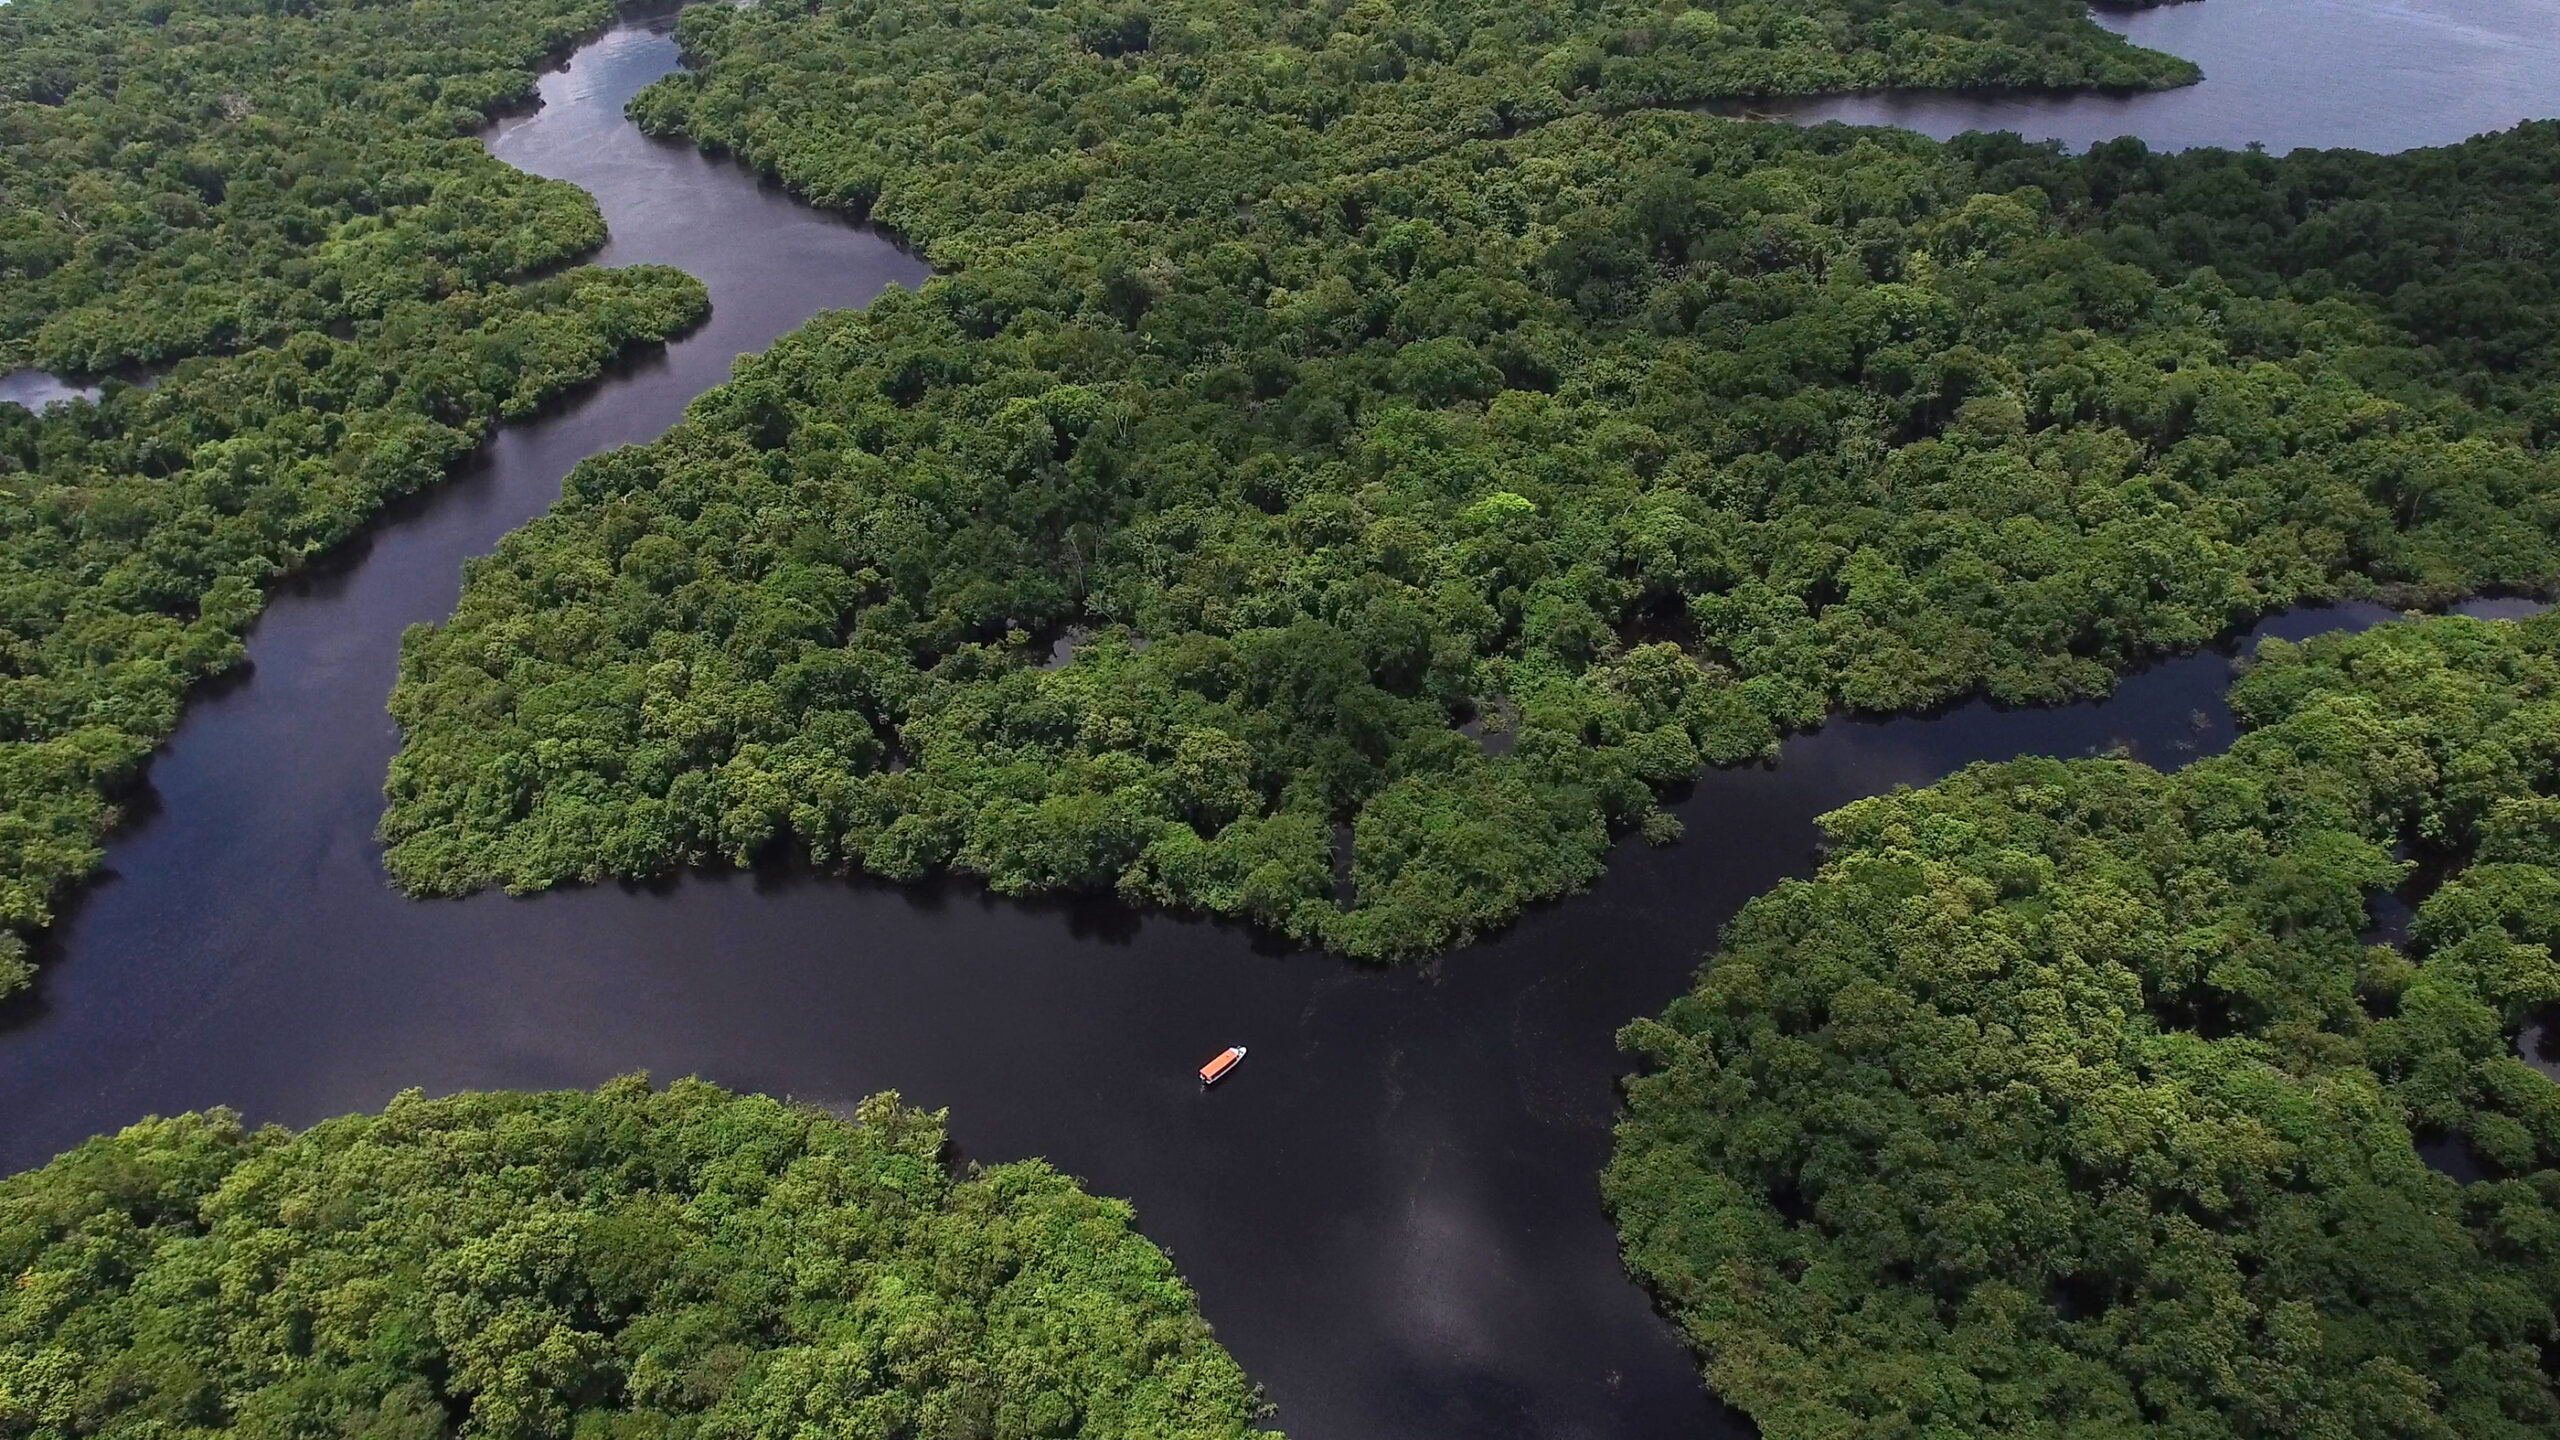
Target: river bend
(1391, 1213)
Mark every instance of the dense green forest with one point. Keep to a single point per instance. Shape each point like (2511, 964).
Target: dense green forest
(188, 178)
(628, 1264)
(2071, 1097)
(1355, 374)
(284, 200)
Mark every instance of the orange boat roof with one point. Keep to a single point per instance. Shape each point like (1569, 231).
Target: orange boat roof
(1225, 1061)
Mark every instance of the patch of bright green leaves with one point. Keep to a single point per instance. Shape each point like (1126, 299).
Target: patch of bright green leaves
(2069, 1097)
(681, 1263)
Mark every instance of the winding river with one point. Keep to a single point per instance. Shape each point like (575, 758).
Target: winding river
(1390, 1214)
(2286, 74)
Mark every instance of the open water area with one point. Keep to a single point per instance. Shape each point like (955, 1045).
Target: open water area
(1391, 1212)
(35, 389)
(2380, 75)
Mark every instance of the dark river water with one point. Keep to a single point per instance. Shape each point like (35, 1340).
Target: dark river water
(1390, 1213)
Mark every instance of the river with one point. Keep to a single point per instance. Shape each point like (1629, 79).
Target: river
(1391, 1212)
(2379, 75)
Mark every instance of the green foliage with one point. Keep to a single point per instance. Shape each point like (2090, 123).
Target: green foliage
(338, 218)
(2068, 1098)
(1354, 376)
(2466, 280)
(621, 1264)
(190, 176)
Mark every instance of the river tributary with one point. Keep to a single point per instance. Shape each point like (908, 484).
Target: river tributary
(1391, 1212)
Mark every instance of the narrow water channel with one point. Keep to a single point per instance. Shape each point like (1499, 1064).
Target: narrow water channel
(1391, 1213)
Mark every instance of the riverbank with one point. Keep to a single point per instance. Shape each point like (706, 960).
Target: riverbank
(1391, 1214)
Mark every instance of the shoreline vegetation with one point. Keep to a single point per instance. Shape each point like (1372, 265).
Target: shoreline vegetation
(1420, 426)
(1344, 405)
(2074, 1097)
(289, 209)
(626, 1263)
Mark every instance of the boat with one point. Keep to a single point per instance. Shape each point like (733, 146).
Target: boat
(1216, 1070)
